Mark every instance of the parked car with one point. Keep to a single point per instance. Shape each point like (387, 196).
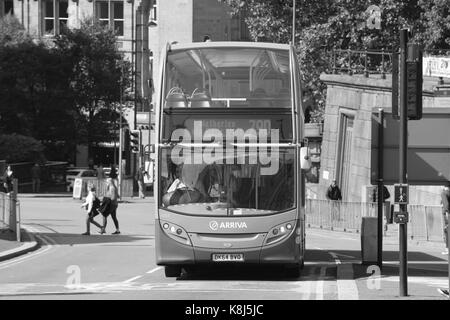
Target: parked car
(75, 173)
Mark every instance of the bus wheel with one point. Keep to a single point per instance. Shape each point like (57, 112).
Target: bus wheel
(172, 271)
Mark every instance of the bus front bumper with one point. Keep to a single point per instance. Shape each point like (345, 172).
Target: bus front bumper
(170, 252)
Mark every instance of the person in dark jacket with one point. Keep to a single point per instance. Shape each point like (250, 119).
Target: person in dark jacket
(334, 194)
(8, 178)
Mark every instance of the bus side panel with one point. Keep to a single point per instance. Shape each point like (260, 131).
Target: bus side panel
(169, 251)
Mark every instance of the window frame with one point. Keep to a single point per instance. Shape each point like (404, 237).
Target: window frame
(154, 12)
(56, 18)
(3, 7)
(111, 19)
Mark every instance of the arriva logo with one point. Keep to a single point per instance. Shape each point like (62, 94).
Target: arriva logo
(214, 225)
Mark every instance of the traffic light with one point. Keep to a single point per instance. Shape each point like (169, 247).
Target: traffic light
(414, 81)
(135, 141)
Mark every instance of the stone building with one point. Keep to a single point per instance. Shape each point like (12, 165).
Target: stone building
(346, 146)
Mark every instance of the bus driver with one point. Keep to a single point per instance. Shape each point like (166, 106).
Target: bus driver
(187, 187)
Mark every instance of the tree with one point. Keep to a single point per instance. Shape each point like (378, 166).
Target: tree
(19, 148)
(99, 73)
(34, 83)
(322, 25)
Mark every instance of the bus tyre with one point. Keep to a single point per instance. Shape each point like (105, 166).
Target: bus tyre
(172, 271)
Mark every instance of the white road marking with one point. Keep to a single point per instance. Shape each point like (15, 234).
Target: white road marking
(132, 279)
(28, 256)
(154, 270)
(319, 287)
(182, 286)
(430, 281)
(346, 285)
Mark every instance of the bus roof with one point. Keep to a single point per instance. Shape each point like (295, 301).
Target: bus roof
(228, 44)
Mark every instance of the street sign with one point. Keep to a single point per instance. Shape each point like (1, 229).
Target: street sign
(401, 217)
(401, 193)
(428, 150)
(77, 187)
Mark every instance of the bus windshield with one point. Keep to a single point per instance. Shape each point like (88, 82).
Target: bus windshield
(227, 188)
(228, 77)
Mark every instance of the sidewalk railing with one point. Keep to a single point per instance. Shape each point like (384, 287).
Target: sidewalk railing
(426, 222)
(362, 62)
(10, 213)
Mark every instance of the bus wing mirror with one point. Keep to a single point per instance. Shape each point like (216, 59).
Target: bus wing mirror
(152, 148)
(305, 159)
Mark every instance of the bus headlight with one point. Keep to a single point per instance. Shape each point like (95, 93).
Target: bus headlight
(176, 233)
(280, 232)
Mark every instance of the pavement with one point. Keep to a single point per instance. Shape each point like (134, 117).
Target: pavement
(123, 267)
(11, 248)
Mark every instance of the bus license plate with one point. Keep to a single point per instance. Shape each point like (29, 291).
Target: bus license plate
(220, 257)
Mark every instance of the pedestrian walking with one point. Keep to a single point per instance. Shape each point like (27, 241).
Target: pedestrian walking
(36, 178)
(113, 173)
(109, 206)
(445, 201)
(8, 178)
(92, 203)
(335, 196)
(140, 173)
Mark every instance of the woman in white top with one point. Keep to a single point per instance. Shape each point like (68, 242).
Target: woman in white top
(91, 204)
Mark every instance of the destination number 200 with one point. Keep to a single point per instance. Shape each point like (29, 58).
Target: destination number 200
(260, 124)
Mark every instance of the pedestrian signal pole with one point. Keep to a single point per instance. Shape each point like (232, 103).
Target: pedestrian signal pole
(403, 149)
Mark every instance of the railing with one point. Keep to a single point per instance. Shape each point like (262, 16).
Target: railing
(10, 213)
(426, 222)
(100, 187)
(362, 62)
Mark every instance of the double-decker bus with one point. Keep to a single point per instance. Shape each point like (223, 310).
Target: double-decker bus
(229, 187)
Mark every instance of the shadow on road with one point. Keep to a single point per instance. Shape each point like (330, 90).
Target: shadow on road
(236, 273)
(78, 239)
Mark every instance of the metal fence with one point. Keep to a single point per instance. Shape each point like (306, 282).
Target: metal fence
(362, 62)
(10, 213)
(101, 187)
(426, 222)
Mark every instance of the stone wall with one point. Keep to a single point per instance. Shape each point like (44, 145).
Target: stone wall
(357, 96)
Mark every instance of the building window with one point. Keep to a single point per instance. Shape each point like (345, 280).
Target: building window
(54, 15)
(153, 12)
(6, 7)
(110, 13)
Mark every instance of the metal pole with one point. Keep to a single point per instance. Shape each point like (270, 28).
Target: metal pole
(403, 149)
(380, 188)
(18, 221)
(293, 23)
(120, 139)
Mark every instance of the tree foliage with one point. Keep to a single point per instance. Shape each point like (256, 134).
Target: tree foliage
(98, 78)
(59, 91)
(19, 148)
(322, 25)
